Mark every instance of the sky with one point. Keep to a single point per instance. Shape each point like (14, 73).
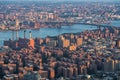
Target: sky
(69, 0)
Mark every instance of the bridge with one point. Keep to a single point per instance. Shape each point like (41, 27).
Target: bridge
(67, 23)
(97, 25)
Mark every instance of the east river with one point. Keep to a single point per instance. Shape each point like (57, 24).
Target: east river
(44, 32)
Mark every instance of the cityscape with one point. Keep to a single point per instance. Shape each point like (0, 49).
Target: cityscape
(59, 40)
(25, 15)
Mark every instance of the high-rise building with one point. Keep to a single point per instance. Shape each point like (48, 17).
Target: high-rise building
(118, 76)
(52, 43)
(38, 41)
(109, 65)
(65, 72)
(118, 43)
(20, 43)
(17, 24)
(37, 25)
(32, 76)
(69, 72)
(51, 73)
(64, 43)
(79, 41)
(72, 47)
(11, 77)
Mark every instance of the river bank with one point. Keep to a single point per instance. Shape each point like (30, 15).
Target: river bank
(44, 32)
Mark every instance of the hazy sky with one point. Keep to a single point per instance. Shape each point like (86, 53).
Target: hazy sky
(68, 0)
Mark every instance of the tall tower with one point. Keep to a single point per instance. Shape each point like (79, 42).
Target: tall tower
(24, 34)
(17, 28)
(30, 34)
(31, 43)
(13, 35)
(17, 24)
(17, 36)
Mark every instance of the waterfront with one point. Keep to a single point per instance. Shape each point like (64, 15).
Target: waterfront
(44, 32)
(60, 40)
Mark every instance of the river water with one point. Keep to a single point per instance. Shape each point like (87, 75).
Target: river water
(43, 32)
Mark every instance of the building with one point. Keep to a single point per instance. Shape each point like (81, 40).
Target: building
(64, 43)
(79, 41)
(51, 73)
(36, 25)
(118, 43)
(38, 41)
(25, 43)
(32, 76)
(12, 44)
(17, 24)
(109, 65)
(20, 43)
(51, 43)
(11, 77)
(72, 47)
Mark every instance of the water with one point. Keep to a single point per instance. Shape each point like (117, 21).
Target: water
(43, 32)
(116, 23)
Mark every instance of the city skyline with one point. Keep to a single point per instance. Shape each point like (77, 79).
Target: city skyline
(59, 40)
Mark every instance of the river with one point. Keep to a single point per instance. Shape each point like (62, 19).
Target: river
(43, 32)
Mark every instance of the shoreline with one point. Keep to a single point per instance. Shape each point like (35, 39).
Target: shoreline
(52, 27)
(48, 31)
